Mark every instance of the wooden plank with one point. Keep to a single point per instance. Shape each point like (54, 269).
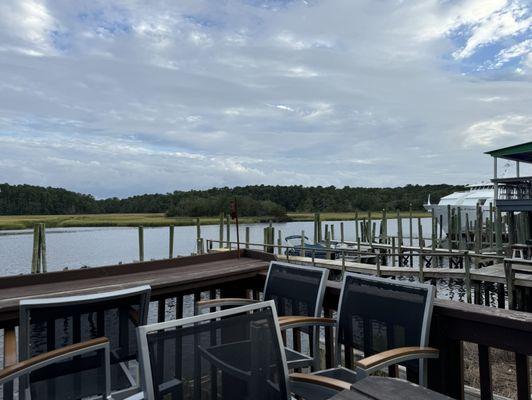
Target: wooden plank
(484, 364)
(523, 376)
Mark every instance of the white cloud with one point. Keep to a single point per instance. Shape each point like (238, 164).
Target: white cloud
(128, 97)
(498, 130)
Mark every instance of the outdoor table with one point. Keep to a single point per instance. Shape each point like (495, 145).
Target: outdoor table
(382, 388)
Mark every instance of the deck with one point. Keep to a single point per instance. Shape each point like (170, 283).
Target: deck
(228, 275)
(164, 276)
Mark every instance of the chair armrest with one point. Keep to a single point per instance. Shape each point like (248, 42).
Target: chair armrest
(329, 383)
(300, 321)
(227, 302)
(58, 354)
(10, 347)
(390, 357)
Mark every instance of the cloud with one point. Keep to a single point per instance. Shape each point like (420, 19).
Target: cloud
(125, 97)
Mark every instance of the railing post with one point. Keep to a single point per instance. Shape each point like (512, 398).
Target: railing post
(171, 242)
(141, 243)
(467, 266)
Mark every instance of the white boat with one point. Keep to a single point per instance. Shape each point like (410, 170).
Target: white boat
(466, 201)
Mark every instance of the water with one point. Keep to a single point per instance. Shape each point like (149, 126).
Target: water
(77, 247)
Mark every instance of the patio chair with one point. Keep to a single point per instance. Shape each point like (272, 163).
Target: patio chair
(47, 324)
(297, 291)
(79, 370)
(234, 354)
(388, 320)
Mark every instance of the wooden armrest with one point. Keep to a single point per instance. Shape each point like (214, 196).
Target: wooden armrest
(14, 368)
(330, 383)
(394, 356)
(10, 347)
(300, 321)
(228, 301)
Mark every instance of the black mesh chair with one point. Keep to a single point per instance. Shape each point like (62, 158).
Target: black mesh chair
(52, 323)
(297, 291)
(79, 370)
(386, 320)
(234, 354)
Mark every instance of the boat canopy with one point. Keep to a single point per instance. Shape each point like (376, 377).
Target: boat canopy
(521, 152)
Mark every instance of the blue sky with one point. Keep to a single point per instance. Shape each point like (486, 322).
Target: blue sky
(126, 97)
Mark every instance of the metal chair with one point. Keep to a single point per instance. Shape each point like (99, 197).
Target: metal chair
(233, 354)
(78, 371)
(297, 291)
(388, 320)
(48, 324)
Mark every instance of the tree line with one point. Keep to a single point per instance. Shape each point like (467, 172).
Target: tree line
(253, 200)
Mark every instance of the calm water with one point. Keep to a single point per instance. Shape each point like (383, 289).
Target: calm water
(77, 247)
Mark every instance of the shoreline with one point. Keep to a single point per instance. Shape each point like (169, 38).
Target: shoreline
(15, 222)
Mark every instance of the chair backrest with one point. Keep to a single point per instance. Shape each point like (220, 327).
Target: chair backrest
(296, 289)
(47, 324)
(229, 355)
(377, 314)
(75, 371)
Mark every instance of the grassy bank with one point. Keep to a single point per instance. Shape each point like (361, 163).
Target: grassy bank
(98, 220)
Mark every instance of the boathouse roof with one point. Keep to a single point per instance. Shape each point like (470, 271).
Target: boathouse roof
(520, 152)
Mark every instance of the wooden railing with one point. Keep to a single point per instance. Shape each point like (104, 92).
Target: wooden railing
(452, 324)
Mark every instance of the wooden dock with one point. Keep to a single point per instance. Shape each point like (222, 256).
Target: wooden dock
(493, 273)
(234, 274)
(164, 276)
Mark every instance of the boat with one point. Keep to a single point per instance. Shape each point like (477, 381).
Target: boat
(316, 250)
(481, 194)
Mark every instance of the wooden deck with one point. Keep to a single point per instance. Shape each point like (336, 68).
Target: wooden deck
(224, 273)
(164, 277)
(492, 273)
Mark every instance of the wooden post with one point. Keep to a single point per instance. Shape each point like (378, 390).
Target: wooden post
(434, 237)
(393, 251)
(421, 260)
(449, 228)
(356, 226)
(332, 232)
(35, 259)
(221, 235)
(421, 242)
(459, 227)
(302, 250)
(199, 250)
(319, 228)
(378, 263)
(384, 225)
(342, 238)
(410, 223)
(467, 266)
(228, 230)
(247, 237)
(359, 251)
(498, 232)
(399, 237)
(467, 231)
(171, 242)
(490, 230)
(279, 244)
(370, 234)
(141, 243)
(315, 228)
(44, 265)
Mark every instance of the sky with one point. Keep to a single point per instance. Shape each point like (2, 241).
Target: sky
(116, 98)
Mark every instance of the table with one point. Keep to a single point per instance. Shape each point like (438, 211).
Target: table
(382, 388)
